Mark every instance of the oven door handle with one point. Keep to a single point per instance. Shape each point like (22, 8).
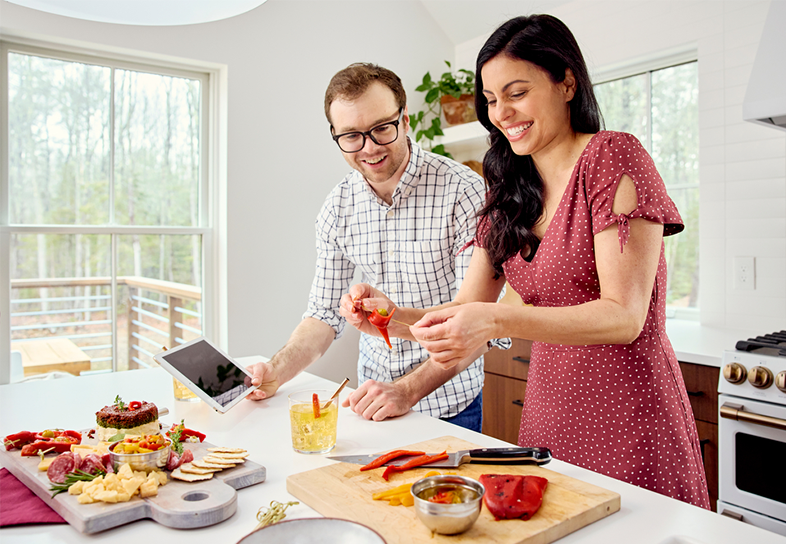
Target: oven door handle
(736, 412)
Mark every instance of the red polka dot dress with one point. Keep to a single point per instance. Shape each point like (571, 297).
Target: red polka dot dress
(620, 410)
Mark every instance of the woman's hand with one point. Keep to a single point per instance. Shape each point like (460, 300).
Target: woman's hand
(359, 303)
(453, 334)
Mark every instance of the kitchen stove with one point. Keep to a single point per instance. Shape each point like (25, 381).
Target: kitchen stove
(752, 432)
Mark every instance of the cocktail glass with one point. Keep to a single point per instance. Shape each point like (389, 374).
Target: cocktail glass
(312, 434)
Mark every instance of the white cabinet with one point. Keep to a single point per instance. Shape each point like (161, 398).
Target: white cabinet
(465, 142)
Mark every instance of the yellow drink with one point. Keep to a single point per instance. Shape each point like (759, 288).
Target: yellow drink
(182, 392)
(310, 434)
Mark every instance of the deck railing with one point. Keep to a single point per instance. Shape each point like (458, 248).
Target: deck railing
(154, 313)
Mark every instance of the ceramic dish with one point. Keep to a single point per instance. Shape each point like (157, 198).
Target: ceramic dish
(314, 531)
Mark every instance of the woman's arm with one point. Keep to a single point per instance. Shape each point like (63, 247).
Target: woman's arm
(617, 317)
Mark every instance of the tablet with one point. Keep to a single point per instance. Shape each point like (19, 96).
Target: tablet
(209, 372)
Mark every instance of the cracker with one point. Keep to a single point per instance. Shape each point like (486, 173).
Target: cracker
(224, 455)
(191, 469)
(177, 474)
(223, 460)
(200, 463)
(227, 450)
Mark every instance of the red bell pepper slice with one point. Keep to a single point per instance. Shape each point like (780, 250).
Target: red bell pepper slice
(413, 463)
(17, 440)
(59, 444)
(315, 405)
(512, 496)
(381, 319)
(134, 405)
(388, 457)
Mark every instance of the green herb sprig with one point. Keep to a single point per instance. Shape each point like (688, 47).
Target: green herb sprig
(174, 435)
(119, 403)
(74, 477)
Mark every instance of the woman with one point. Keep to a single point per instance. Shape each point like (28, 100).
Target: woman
(574, 221)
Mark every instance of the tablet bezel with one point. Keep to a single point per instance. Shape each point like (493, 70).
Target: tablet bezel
(166, 365)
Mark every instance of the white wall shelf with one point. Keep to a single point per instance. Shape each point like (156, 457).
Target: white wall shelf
(465, 142)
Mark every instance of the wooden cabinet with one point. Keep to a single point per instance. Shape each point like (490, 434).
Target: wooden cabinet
(506, 382)
(701, 383)
(503, 393)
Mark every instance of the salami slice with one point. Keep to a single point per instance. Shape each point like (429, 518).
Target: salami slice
(91, 464)
(77, 461)
(173, 462)
(60, 467)
(106, 460)
(187, 457)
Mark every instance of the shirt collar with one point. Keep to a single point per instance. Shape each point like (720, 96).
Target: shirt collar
(409, 179)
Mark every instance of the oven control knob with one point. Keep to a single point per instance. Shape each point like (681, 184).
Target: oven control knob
(760, 376)
(734, 373)
(780, 381)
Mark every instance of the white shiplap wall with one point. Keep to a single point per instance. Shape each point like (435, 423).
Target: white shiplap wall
(742, 165)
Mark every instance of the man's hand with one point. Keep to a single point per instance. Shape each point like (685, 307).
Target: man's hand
(379, 400)
(361, 300)
(265, 374)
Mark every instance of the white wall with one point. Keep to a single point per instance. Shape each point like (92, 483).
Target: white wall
(742, 165)
(281, 160)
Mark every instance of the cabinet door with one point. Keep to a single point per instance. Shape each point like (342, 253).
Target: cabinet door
(708, 435)
(502, 403)
(513, 362)
(702, 385)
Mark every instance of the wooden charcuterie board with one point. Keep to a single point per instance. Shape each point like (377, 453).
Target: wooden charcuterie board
(342, 491)
(181, 505)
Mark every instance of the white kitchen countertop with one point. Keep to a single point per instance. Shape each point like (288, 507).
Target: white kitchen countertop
(702, 344)
(263, 429)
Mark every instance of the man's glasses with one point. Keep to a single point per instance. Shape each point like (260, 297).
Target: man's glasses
(384, 134)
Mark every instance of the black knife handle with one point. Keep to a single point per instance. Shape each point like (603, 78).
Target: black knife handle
(510, 456)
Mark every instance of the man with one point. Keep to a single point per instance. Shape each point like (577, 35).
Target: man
(401, 216)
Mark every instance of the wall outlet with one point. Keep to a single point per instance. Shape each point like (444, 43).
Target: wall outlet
(744, 273)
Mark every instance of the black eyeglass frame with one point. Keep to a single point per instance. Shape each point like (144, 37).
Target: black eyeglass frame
(368, 134)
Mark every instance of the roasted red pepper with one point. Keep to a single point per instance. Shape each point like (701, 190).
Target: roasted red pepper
(134, 405)
(16, 441)
(388, 457)
(512, 496)
(58, 444)
(381, 319)
(413, 463)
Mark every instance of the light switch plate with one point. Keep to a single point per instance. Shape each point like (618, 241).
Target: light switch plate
(744, 273)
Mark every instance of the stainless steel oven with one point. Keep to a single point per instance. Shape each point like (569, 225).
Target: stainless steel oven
(752, 432)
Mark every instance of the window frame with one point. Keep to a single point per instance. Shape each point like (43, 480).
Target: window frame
(645, 66)
(212, 187)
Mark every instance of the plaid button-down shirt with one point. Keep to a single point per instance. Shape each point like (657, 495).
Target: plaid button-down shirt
(408, 250)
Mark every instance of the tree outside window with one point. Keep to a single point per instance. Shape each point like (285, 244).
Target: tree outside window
(660, 108)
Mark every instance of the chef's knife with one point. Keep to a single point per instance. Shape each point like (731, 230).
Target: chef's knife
(485, 456)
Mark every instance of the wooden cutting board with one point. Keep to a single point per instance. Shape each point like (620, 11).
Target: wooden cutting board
(182, 505)
(342, 491)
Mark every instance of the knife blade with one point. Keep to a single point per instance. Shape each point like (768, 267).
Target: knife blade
(485, 456)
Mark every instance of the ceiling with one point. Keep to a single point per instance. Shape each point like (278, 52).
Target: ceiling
(464, 20)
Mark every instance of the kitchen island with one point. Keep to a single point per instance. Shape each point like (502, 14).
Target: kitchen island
(263, 429)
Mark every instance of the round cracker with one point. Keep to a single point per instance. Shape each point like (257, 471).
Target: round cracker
(177, 474)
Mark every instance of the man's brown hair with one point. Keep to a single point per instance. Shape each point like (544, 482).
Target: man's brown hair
(352, 81)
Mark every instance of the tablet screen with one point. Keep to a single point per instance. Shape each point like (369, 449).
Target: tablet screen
(209, 370)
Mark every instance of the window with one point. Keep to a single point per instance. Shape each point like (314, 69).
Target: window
(104, 215)
(660, 108)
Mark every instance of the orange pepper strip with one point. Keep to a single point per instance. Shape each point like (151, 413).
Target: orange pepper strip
(416, 462)
(315, 404)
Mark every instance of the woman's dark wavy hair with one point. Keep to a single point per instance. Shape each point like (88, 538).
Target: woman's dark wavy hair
(515, 194)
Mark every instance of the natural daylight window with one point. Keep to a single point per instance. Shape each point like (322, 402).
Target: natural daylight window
(105, 227)
(660, 108)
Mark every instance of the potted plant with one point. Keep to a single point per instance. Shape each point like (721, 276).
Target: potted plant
(452, 94)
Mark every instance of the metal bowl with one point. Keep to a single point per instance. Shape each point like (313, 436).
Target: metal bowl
(314, 531)
(148, 462)
(448, 519)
